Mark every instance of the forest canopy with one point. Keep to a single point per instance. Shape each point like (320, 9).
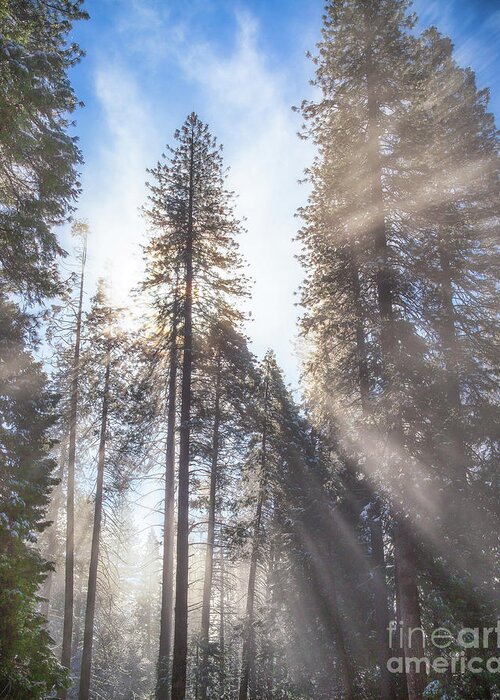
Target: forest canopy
(179, 520)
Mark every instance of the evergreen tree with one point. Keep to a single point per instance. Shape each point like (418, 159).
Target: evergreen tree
(224, 382)
(147, 612)
(108, 388)
(28, 668)
(191, 211)
(270, 453)
(38, 181)
(396, 236)
(454, 256)
(362, 70)
(38, 158)
(80, 230)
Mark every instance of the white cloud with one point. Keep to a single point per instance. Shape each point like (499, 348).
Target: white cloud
(113, 183)
(249, 108)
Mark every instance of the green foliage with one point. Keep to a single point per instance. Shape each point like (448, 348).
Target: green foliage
(38, 157)
(216, 260)
(28, 668)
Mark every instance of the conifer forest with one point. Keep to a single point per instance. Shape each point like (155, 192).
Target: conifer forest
(181, 516)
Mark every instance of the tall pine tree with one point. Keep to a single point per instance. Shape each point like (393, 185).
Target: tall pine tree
(194, 261)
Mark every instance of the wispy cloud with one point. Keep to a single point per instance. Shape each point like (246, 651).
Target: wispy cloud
(248, 105)
(250, 108)
(114, 181)
(159, 63)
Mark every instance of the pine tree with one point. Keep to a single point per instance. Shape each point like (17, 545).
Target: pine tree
(191, 212)
(80, 230)
(272, 449)
(28, 668)
(38, 158)
(398, 234)
(362, 70)
(168, 522)
(38, 180)
(454, 257)
(224, 381)
(146, 629)
(247, 679)
(100, 323)
(108, 388)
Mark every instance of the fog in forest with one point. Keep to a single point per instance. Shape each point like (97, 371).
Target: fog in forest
(249, 394)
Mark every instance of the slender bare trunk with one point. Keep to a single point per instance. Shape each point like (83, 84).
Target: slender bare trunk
(222, 612)
(88, 634)
(163, 678)
(209, 557)
(179, 664)
(70, 492)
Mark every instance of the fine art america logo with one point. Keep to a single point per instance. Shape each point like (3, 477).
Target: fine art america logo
(458, 657)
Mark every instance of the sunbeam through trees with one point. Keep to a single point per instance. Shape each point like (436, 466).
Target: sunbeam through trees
(177, 520)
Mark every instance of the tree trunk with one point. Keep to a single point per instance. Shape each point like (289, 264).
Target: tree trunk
(248, 652)
(388, 339)
(457, 456)
(222, 612)
(209, 558)
(179, 664)
(70, 493)
(416, 676)
(387, 690)
(380, 591)
(402, 686)
(163, 676)
(88, 634)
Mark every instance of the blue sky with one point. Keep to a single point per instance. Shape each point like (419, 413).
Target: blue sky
(240, 66)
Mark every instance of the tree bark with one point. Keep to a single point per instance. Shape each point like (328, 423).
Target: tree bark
(163, 678)
(209, 558)
(388, 339)
(380, 590)
(413, 647)
(88, 635)
(458, 453)
(70, 494)
(222, 612)
(179, 664)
